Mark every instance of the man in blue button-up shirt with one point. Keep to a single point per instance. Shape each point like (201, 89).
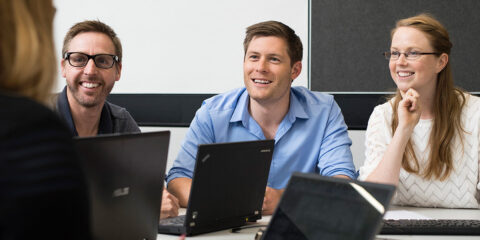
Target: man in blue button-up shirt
(308, 127)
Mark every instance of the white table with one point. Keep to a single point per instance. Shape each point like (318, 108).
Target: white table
(440, 213)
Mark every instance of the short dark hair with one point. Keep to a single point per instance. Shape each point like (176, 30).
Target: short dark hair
(93, 26)
(276, 29)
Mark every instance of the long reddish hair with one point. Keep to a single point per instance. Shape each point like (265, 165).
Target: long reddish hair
(448, 105)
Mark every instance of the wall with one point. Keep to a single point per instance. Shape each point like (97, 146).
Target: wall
(348, 38)
(182, 46)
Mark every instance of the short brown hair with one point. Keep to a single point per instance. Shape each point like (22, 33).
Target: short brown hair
(93, 26)
(276, 29)
(27, 55)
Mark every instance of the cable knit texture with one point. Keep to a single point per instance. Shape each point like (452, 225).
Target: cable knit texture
(460, 190)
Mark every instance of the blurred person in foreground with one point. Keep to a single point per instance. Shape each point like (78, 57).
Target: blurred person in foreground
(43, 192)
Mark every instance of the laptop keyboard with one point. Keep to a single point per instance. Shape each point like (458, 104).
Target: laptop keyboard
(179, 220)
(431, 226)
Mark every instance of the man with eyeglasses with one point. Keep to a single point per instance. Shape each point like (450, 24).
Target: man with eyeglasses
(91, 64)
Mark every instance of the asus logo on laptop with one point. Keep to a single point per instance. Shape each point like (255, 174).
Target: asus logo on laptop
(121, 192)
(265, 150)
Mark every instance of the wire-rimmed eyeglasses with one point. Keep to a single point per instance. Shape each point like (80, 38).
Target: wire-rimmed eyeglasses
(411, 55)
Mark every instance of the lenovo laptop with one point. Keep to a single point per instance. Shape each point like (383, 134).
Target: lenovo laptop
(317, 207)
(227, 189)
(125, 176)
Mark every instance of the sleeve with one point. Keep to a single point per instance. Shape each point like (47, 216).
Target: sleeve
(335, 155)
(377, 138)
(44, 194)
(200, 132)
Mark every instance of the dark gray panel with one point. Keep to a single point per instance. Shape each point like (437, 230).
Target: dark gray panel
(166, 110)
(178, 110)
(349, 36)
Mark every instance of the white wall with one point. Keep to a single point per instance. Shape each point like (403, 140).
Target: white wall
(358, 147)
(178, 134)
(186, 46)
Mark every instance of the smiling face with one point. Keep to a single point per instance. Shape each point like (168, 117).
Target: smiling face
(420, 74)
(268, 72)
(89, 86)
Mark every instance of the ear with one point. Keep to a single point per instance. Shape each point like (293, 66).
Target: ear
(62, 67)
(119, 71)
(442, 62)
(296, 70)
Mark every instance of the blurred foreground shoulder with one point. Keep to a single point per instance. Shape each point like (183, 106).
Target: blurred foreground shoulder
(43, 191)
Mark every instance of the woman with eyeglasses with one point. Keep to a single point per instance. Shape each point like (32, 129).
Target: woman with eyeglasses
(43, 193)
(425, 139)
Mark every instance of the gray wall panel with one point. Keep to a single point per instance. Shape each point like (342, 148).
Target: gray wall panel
(349, 36)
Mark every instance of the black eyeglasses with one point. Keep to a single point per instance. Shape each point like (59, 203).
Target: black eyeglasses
(78, 59)
(412, 55)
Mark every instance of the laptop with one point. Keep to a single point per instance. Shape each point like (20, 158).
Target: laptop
(125, 174)
(318, 207)
(227, 189)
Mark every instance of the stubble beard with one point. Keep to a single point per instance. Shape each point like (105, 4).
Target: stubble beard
(90, 101)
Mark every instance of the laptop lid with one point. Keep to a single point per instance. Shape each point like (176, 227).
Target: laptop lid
(125, 175)
(317, 207)
(228, 186)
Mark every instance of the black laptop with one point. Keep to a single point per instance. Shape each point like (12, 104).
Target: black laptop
(125, 176)
(227, 190)
(317, 207)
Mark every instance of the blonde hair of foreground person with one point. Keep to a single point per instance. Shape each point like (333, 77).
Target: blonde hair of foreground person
(27, 58)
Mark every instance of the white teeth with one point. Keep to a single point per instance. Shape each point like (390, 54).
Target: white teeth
(261, 81)
(405, 74)
(90, 85)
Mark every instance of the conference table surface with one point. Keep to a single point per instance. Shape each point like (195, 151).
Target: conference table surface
(434, 213)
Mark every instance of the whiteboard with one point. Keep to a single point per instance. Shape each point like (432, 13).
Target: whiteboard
(182, 46)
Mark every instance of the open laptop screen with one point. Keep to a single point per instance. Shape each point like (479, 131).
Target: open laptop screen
(125, 175)
(316, 207)
(227, 189)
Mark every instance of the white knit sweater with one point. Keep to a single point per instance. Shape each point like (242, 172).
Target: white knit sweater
(460, 190)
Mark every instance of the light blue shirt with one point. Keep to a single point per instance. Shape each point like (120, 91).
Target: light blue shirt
(311, 138)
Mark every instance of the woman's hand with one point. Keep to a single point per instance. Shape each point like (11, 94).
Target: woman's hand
(409, 110)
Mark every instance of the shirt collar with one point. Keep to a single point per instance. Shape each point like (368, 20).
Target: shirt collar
(296, 109)
(241, 113)
(105, 125)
